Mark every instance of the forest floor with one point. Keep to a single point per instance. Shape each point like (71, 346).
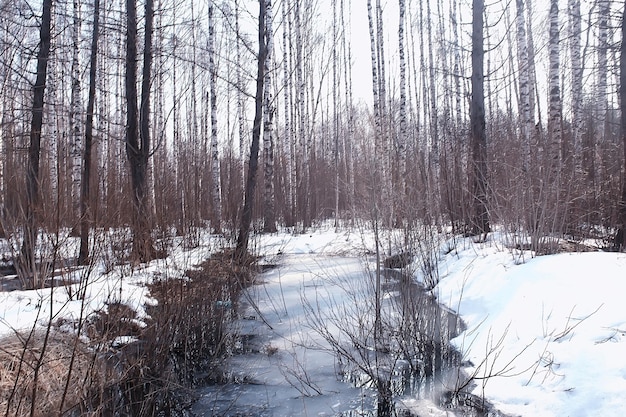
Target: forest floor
(544, 335)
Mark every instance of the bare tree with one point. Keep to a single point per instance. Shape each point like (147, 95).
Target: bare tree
(27, 258)
(555, 127)
(526, 123)
(138, 130)
(75, 118)
(85, 196)
(402, 138)
(577, 81)
(604, 7)
(246, 215)
(619, 238)
(269, 210)
(216, 194)
(480, 222)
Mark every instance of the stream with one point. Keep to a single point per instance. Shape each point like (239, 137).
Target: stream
(304, 346)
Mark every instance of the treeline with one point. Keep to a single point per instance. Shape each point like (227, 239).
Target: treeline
(142, 114)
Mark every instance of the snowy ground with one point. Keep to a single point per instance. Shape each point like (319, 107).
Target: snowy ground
(550, 331)
(546, 336)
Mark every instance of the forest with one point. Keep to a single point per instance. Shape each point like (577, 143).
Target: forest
(127, 125)
(88, 143)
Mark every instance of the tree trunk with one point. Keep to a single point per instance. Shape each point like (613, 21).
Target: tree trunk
(480, 224)
(376, 92)
(75, 120)
(577, 82)
(246, 216)
(402, 138)
(138, 131)
(554, 103)
(85, 196)
(216, 193)
(619, 238)
(526, 125)
(601, 92)
(532, 73)
(27, 255)
(288, 133)
(269, 212)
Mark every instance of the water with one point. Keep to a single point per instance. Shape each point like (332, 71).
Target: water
(308, 347)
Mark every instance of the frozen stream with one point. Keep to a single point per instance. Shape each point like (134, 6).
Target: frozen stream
(285, 361)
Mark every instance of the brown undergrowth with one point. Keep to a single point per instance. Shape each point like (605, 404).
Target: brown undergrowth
(186, 335)
(127, 368)
(48, 374)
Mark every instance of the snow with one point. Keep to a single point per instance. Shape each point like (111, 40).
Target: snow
(103, 285)
(549, 331)
(545, 335)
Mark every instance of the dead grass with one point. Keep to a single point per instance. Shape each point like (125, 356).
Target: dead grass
(22, 354)
(180, 347)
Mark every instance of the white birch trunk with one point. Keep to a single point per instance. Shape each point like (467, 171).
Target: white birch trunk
(532, 74)
(434, 117)
(240, 93)
(403, 111)
(457, 66)
(55, 83)
(577, 81)
(348, 143)
(601, 94)
(335, 94)
(526, 124)
(288, 136)
(554, 90)
(75, 116)
(375, 81)
(303, 181)
(215, 161)
(268, 122)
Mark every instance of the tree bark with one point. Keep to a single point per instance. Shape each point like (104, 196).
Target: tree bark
(269, 212)
(526, 123)
(241, 249)
(554, 87)
(619, 238)
(75, 119)
(480, 224)
(601, 92)
(216, 193)
(27, 253)
(138, 130)
(85, 196)
(402, 138)
(577, 82)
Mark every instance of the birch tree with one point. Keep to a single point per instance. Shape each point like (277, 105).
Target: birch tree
(269, 212)
(75, 116)
(621, 229)
(215, 160)
(554, 90)
(532, 73)
(403, 111)
(604, 7)
(524, 85)
(288, 132)
(577, 81)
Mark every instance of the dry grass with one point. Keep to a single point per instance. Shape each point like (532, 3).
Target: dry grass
(28, 361)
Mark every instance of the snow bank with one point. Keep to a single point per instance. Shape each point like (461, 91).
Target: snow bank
(548, 335)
